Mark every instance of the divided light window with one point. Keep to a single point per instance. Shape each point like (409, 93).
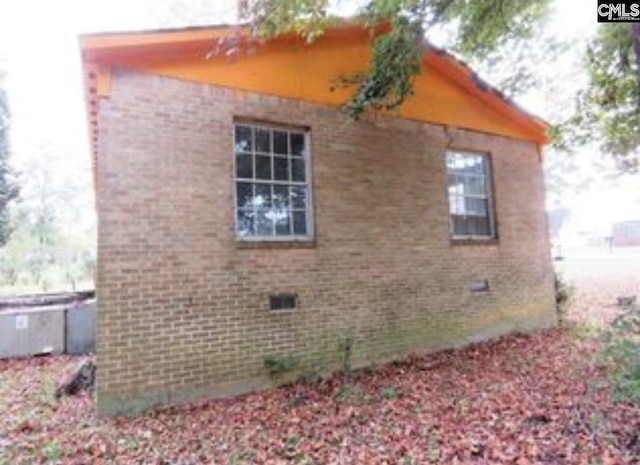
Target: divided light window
(272, 182)
(470, 204)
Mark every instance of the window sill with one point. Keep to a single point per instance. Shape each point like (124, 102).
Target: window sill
(475, 241)
(277, 244)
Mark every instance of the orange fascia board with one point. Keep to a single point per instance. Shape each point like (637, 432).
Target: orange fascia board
(99, 44)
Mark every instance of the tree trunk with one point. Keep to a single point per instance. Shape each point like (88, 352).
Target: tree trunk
(81, 377)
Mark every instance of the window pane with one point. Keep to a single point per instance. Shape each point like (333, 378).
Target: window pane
(456, 186)
(263, 196)
(459, 225)
(244, 166)
(243, 139)
(280, 142)
(280, 168)
(455, 162)
(297, 144)
(297, 170)
(264, 224)
(298, 197)
(456, 205)
(263, 140)
(244, 197)
(245, 223)
(299, 223)
(281, 197)
(263, 167)
(283, 223)
(475, 207)
(475, 185)
(480, 225)
(475, 164)
(471, 225)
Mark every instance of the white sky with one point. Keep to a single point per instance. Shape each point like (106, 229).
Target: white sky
(39, 46)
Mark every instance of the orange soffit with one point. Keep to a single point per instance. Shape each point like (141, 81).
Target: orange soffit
(447, 92)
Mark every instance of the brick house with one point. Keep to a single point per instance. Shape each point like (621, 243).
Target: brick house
(242, 220)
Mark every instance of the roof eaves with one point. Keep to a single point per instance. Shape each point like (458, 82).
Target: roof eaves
(484, 86)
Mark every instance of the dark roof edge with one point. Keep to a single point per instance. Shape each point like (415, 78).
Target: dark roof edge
(481, 83)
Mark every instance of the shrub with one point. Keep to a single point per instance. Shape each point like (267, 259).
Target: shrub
(564, 296)
(621, 353)
(388, 392)
(278, 365)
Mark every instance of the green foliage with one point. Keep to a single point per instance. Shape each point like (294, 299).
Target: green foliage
(482, 26)
(51, 451)
(514, 64)
(389, 392)
(8, 187)
(563, 297)
(279, 364)
(622, 354)
(388, 83)
(52, 246)
(608, 110)
(307, 18)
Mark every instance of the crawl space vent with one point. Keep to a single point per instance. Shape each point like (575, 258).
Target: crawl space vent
(479, 285)
(283, 302)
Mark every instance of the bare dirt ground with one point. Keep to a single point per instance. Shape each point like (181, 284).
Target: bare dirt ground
(536, 399)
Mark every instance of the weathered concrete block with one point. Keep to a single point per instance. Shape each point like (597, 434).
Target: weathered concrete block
(31, 331)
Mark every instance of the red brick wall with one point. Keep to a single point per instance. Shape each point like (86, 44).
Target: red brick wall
(183, 308)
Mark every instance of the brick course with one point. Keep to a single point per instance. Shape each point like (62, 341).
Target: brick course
(183, 307)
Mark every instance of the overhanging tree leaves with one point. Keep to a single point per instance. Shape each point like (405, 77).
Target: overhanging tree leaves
(612, 101)
(608, 110)
(481, 26)
(389, 80)
(8, 186)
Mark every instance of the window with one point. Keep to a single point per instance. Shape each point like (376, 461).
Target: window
(273, 199)
(470, 205)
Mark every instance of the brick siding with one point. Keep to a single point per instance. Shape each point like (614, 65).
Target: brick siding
(183, 307)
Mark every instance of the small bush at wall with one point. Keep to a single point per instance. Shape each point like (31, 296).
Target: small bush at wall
(279, 364)
(346, 349)
(564, 295)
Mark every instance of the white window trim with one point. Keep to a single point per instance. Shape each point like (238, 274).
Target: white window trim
(309, 237)
(492, 236)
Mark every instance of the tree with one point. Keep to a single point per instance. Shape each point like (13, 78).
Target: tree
(608, 110)
(481, 27)
(52, 246)
(8, 187)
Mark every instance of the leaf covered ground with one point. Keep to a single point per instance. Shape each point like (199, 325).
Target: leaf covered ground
(526, 399)
(518, 400)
